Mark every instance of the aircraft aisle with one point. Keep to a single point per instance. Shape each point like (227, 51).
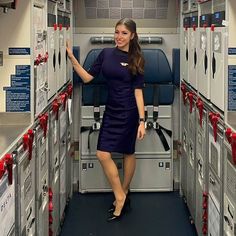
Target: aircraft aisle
(151, 214)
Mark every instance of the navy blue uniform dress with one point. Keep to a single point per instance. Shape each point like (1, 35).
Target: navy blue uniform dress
(121, 119)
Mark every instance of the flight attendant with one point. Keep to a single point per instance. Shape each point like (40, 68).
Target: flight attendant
(123, 118)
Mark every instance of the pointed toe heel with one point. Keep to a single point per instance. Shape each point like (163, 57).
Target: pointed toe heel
(113, 207)
(125, 209)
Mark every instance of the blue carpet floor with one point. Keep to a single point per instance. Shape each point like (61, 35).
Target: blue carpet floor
(152, 214)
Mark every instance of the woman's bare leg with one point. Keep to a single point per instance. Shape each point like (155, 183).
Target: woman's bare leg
(129, 169)
(112, 175)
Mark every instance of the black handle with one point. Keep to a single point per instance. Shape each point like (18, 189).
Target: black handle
(54, 60)
(186, 54)
(59, 58)
(66, 56)
(205, 62)
(195, 58)
(213, 65)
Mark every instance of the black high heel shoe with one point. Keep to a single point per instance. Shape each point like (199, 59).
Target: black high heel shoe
(113, 207)
(125, 208)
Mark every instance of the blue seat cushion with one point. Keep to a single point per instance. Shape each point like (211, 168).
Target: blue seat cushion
(157, 69)
(166, 94)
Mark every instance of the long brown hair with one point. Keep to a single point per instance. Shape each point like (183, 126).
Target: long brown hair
(135, 57)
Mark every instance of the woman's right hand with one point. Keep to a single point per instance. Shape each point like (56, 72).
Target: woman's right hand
(68, 49)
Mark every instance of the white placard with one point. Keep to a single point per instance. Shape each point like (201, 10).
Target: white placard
(7, 205)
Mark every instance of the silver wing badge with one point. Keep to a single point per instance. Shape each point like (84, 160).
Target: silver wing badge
(124, 64)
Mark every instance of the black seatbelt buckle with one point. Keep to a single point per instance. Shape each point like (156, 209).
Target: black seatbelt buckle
(96, 126)
(148, 125)
(156, 125)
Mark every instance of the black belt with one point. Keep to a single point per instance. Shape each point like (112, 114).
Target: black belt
(159, 130)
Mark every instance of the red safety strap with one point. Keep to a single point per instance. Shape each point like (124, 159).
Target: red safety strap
(69, 90)
(231, 137)
(31, 141)
(9, 166)
(2, 168)
(64, 97)
(233, 146)
(190, 98)
(55, 108)
(43, 121)
(214, 118)
(183, 89)
(25, 141)
(212, 27)
(200, 110)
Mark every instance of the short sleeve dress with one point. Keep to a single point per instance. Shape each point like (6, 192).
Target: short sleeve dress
(121, 119)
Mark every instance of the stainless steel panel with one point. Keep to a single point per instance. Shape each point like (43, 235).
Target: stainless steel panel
(191, 189)
(152, 174)
(230, 175)
(183, 166)
(214, 219)
(63, 117)
(62, 150)
(92, 177)
(184, 147)
(215, 153)
(69, 163)
(42, 182)
(229, 217)
(201, 153)
(215, 189)
(54, 170)
(7, 203)
(62, 188)
(229, 192)
(26, 191)
(199, 209)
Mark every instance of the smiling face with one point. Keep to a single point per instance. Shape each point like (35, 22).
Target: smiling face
(122, 37)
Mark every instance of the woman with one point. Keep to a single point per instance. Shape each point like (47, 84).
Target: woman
(123, 119)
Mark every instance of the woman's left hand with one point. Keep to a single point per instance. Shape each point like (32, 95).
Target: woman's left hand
(141, 131)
